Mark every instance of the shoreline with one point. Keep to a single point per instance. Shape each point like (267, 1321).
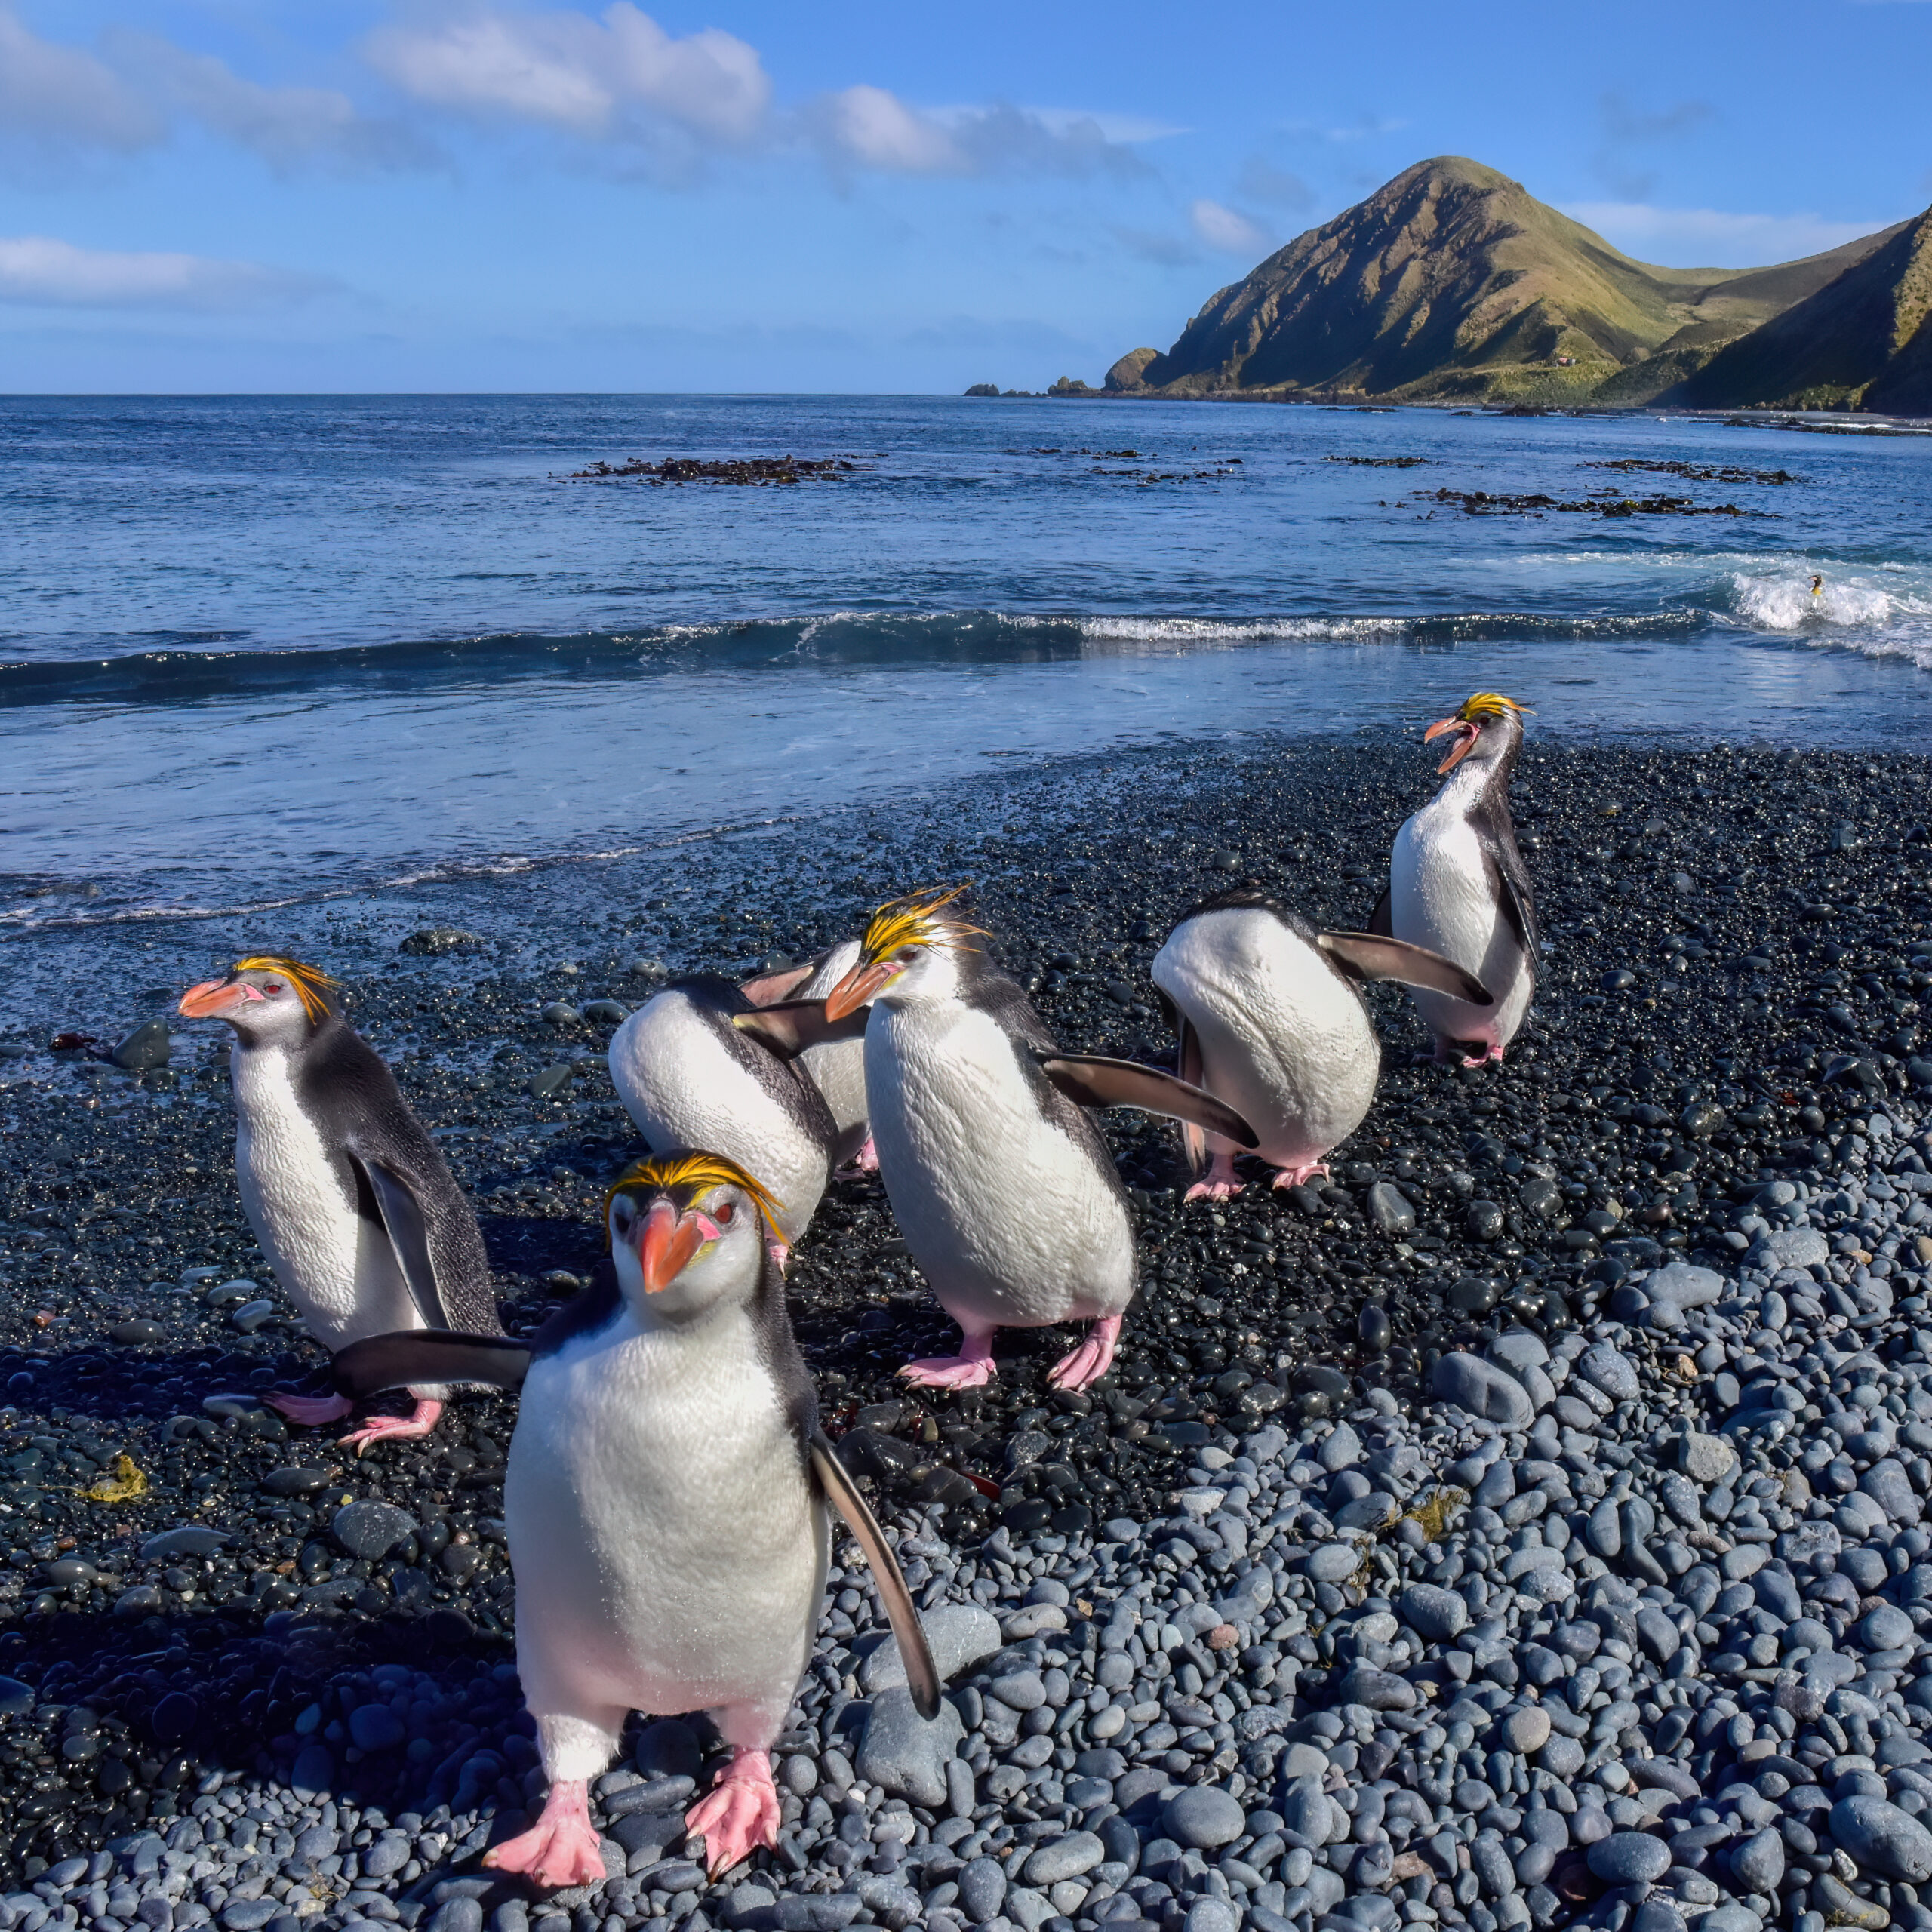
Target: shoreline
(1249, 1329)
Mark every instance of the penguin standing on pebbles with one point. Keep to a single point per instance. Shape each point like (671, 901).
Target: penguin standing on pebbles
(1270, 1021)
(1457, 884)
(1005, 1192)
(351, 1202)
(705, 1063)
(665, 1500)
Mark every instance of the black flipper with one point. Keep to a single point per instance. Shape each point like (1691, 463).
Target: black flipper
(922, 1673)
(377, 1363)
(409, 1235)
(1371, 956)
(1097, 1081)
(791, 1026)
(1381, 921)
(1187, 1064)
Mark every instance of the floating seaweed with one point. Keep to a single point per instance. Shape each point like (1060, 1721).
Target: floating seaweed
(1692, 472)
(753, 470)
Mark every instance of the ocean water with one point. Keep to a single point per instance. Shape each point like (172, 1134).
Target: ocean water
(260, 651)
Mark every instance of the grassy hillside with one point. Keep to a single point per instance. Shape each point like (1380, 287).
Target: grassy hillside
(1452, 282)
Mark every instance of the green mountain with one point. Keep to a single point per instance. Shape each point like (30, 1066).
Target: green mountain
(1864, 340)
(1452, 283)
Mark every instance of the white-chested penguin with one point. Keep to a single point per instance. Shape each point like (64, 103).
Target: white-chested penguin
(1269, 1020)
(665, 1504)
(350, 1199)
(1457, 884)
(1004, 1190)
(705, 1063)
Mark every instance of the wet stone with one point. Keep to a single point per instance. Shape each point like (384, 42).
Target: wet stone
(369, 1528)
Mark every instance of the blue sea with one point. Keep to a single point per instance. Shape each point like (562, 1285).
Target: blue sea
(260, 652)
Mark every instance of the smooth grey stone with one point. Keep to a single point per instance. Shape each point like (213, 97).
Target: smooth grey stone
(147, 1046)
(1684, 1284)
(1517, 1349)
(1333, 1561)
(1390, 1209)
(1438, 1614)
(1790, 1247)
(456, 1915)
(1067, 1857)
(1376, 1690)
(189, 1539)
(1211, 1915)
(982, 1888)
(1527, 1730)
(1630, 1858)
(960, 1636)
(1885, 1628)
(903, 1753)
(371, 1529)
(251, 1315)
(1758, 1864)
(1887, 1484)
(1878, 1836)
(1733, 1918)
(1482, 1389)
(1203, 1817)
(1656, 1914)
(1601, 1367)
(1491, 1864)
(1340, 1449)
(817, 1911)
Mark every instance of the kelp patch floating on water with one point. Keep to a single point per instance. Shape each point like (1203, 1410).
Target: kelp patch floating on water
(1480, 503)
(752, 471)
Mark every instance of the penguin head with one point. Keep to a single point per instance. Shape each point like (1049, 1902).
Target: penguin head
(906, 954)
(686, 1231)
(268, 1000)
(1489, 720)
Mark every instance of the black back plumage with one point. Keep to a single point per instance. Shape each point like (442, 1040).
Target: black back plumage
(346, 1087)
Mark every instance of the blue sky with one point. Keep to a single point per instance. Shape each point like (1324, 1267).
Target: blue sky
(344, 195)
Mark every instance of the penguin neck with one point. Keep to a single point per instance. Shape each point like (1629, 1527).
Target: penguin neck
(1480, 778)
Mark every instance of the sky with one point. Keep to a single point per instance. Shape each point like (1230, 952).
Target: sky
(349, 195)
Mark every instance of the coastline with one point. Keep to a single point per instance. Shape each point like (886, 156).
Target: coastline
(1248, 1312)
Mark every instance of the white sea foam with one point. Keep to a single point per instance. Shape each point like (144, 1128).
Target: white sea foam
(1161, 634)
(1880, 614)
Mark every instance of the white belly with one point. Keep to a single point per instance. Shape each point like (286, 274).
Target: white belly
(669, 1552)
(1283, 1040)
(683, 1088)
(1441, 896)
(1006, 1216)
(339, 1269)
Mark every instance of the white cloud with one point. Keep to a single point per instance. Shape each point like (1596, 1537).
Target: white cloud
(877, 129)
(287, 127)
(1225, 229)
(1708, 238)
(569, 71)
(869, 128)
(43, 273)
(54, 94)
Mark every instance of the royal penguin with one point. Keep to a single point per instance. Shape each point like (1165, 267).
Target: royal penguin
(705, 1063)
(1457, 884)
(1002, 1188)
(665, 1501)
(350, 1200)
(1269, 1020)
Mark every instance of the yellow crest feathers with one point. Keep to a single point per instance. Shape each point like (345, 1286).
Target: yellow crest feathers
(913, 921)
(693, 1171)
(1492, 704)
(311, 983)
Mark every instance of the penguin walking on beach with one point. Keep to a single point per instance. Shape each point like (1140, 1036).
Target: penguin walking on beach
(705, 1063)
(354, 1206)
(1270, 1020)
(665, 1500)
(1458, 887)
(1002, 1188)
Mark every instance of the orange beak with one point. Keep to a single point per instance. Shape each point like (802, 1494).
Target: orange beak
(860, 987)
(1470, 733)
(213, 997)
(667, 1242)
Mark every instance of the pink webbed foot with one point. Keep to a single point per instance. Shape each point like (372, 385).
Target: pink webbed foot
(1494, 1052)
(1300, 1176)
(393, 1429)
(311, 1411)
(1219, 1183)
(561, 1848)
(739, 1813)
(973, 1367)
(867, 1159)
(1091, 1360)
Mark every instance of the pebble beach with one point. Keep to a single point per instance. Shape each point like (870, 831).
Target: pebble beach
(1520, 1528)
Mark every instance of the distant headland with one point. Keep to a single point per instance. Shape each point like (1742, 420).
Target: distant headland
(1452, 284)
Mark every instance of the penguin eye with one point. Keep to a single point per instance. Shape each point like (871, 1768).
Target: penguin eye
(722, 1212)
(272, 988)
